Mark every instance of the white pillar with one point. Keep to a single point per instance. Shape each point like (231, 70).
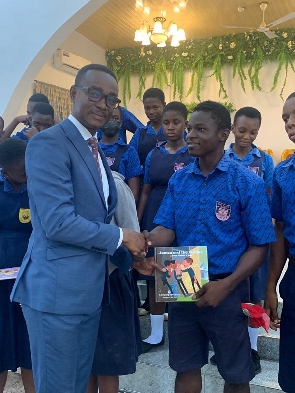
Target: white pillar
(30, 32)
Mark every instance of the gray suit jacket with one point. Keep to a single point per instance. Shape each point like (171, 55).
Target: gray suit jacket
(65, 268)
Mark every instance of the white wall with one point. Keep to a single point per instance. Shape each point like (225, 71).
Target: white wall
(30, 32)
(272, 134)
(75, 43)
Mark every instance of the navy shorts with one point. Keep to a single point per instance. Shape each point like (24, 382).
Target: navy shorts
(191, 328)
(287, 332)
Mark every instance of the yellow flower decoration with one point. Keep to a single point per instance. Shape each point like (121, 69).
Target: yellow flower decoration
(220, 46)
(184, 54)
(289, 44)
(149, 52)
(232, 45)
(230, 57)
(285, 35)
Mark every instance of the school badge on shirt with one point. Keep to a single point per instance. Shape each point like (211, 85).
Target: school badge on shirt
(222, 211)
(254, 169)
(178, 165)
(110, 160)
(24, 215)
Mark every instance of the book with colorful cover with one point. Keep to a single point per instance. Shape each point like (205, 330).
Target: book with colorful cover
(8, 273)
(186, 272)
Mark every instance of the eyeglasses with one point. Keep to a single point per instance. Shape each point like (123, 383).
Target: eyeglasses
(96, 95)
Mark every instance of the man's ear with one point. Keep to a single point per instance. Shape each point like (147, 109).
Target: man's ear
(223, 135)
(73, 93)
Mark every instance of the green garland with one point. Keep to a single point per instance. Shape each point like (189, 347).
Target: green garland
(245, 53)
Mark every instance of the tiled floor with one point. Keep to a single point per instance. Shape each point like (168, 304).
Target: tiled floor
(14, 383)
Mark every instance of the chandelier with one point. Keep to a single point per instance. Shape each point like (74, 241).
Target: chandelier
(158, 35)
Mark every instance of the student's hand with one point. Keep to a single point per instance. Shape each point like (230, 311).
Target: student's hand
(147, 266)
(271, 309)
(211, 294)
(134, 241)
(31, 132)
(23, 119)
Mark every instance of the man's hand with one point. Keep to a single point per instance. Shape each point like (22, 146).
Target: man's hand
(271, 308)
(211, 294)
(134, 241)
(23, 119)
(31, 132)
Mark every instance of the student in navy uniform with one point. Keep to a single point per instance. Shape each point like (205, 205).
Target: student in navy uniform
(15, 230)
(119, 341)
(121, 157)
(161, 163)
(148, 137)
(25, 119)
(247, 122)
(283, 212)
(128, 121)
(218, 203)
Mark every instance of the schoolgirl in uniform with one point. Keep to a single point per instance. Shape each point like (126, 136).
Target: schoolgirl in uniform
(15, 230)
(148, 137)
(121, 157)
(247, 122)
(161, 163)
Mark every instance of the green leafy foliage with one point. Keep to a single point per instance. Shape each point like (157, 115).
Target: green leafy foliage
(245, 53)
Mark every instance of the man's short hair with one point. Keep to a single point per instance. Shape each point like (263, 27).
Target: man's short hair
(12, 152)
(218, 112)
(43, 109)
(248, 111)
(154, 92)
(96, 67)
(39, 97)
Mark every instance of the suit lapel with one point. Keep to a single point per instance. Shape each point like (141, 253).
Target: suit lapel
(112, 202)
(81, 146)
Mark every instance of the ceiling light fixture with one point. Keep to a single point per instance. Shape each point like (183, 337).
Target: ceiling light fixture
(158, 35)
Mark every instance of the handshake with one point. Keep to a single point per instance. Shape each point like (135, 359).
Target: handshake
(137, 243)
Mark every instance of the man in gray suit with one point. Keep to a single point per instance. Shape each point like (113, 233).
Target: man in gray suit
(63, 278)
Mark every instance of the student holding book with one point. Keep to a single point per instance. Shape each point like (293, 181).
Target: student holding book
(214, 202)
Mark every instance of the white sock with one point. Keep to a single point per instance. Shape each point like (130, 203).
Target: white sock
(157, 326)
(253, 334)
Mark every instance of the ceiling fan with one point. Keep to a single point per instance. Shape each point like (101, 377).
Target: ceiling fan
(265, 28)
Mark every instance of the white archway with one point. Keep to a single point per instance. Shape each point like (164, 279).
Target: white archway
(30, 32)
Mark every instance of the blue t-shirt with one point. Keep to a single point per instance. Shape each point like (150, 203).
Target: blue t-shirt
(146, 178)
(267, 163)
(283, 199)
(129, 164)
(227, 211)
(136, 137)
(20, 135)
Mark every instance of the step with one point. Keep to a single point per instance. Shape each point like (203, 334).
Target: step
(153, 375)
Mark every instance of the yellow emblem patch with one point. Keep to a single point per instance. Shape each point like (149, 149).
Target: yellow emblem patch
(24, 215)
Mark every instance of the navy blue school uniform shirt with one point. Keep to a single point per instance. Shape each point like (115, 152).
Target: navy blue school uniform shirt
(146, 139)
(15, 224)
(283, 199)
(227, 211)
(122, 158)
